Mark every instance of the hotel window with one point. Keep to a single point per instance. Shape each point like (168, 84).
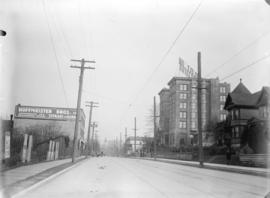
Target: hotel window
(183, 114)
(193, 125)
(193, 105)
(203, 123)
(182, 125)
(221, 107)
(183, 105)
(193, 115)
(222, 90)
(222, 98)
(183, 87)
(183, 96)
(222, 117)
(194, 97)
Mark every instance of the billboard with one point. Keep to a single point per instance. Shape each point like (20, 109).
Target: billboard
(48, 113)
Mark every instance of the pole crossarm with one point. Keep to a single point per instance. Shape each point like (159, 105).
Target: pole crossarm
(72, 66)
(91, 106)
(82, 60)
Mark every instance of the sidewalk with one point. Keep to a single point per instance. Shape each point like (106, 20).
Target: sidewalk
(12, 177)
(265, 172)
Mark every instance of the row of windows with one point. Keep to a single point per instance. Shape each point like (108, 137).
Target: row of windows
(183, 96)
(222, 117)
(222, 89)
(184, 87)
(182, 125)
(183, 105)
(183, 114)
(222, 98)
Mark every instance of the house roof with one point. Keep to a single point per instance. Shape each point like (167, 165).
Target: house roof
(241, 89)
(264, 98)
(242, 97)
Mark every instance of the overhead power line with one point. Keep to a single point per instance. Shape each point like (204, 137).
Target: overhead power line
(165, 55)
(238, 53)
(247, 66)
(55, 54)
(169, 49)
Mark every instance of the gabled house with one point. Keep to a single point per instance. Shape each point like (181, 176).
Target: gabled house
(247, 119)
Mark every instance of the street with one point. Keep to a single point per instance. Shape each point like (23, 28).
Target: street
(123, 177)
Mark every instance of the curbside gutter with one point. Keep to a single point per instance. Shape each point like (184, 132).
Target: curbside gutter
(229, 168)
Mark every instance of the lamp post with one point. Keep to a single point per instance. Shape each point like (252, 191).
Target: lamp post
(267, 1)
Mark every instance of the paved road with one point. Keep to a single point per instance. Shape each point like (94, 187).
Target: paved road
(119, 177)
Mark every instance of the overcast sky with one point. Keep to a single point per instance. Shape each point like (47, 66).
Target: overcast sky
(127, 39)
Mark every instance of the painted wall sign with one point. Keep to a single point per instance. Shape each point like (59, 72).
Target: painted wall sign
(45, 113)
(186, 69)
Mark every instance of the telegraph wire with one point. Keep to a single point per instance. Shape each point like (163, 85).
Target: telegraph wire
(169, 49)
(58, 23)
(165, 55)
(55, 54)
(237, 53)
(247, 66)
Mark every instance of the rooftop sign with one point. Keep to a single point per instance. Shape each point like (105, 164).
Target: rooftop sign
(186, 69)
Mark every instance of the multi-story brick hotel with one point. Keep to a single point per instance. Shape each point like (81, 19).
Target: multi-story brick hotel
(178, 109)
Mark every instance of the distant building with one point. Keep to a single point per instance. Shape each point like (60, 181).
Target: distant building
(130, 144)
(61, 119)
(178, 109)
(164, 119)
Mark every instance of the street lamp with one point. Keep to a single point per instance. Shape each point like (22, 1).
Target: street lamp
(267, 1)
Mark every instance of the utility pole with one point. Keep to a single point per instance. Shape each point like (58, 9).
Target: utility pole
(135, 131)
(199, 97)
(125, 145)
(96, 141)
(82, 68)
(92, 105)
(155, 140)
(120, 146)
(125, 134)
(93, 133)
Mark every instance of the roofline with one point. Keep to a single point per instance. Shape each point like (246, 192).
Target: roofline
(163, 90)
(191, 78)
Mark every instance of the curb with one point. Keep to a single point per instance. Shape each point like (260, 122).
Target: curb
(46, 179)
(213, 167)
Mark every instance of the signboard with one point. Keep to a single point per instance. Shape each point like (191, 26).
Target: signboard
(51, 113)
(186, 69)
(7, 145)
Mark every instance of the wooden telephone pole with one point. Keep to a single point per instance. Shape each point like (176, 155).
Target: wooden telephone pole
(93, 133)
(199, 98)
(135, 131)
(82, 68)
(155, 129)
(92, 105)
